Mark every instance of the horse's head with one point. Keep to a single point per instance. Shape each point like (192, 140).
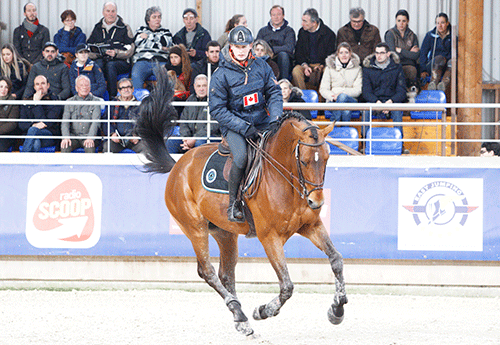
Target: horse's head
(311, 154)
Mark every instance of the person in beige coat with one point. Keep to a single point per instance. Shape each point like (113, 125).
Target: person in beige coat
(342, 80)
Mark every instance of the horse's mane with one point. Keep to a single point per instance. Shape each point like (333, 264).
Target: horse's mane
(287, 115)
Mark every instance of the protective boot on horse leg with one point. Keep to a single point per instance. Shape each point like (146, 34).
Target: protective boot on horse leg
(237, 145)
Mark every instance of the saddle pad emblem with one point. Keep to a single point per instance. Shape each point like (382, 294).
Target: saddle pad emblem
(252, 99)
(212, 176)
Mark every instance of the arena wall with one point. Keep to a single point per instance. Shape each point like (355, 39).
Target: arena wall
(98, 217)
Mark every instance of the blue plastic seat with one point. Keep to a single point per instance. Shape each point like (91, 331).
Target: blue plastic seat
(127, 151)
(311, 96)
(82, 150)
(429, 96)
(344, 133)
(121, 76)
(384, 147)
(47, 149)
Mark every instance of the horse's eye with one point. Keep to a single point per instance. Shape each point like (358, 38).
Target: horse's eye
(303, 163)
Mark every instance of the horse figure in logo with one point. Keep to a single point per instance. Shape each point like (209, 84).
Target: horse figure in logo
(287, 201)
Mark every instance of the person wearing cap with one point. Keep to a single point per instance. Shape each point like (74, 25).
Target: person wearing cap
(245, 99)
(82, 65)
(31, 36)
(194, 37)
(77, 112)
(54, 69)
(151, 47)
(115, 40)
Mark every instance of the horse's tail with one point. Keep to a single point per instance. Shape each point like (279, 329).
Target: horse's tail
(155, 120)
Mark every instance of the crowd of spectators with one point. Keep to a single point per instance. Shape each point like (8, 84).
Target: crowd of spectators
(350, 65)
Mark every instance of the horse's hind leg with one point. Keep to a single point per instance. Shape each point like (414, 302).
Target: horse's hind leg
(276, 256)
(207, 272)
(228, 246)
(319, 237)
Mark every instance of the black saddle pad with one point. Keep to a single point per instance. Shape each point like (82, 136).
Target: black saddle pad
(212, 177)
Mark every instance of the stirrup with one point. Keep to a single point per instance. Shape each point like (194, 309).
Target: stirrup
(234, 213)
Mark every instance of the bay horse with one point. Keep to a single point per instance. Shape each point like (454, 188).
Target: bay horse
(287, 201)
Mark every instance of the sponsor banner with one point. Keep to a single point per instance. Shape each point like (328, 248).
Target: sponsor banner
(64, 210)
(370, 213)
(440, 214)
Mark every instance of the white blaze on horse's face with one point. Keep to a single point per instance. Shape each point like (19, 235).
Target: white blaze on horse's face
(316, 156)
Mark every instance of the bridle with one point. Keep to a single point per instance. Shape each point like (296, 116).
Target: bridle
(303, 182)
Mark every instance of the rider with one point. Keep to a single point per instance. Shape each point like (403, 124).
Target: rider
(244, 98)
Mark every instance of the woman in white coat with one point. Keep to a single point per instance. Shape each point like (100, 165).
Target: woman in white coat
(342, 80)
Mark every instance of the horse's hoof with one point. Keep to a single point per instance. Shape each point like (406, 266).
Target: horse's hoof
(262, 313)
(244, 328)
(336, 314)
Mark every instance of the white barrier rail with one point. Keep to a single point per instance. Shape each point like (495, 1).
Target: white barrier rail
(371, 107)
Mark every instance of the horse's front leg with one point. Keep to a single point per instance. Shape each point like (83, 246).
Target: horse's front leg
(319, 237)
(207, 272)
(276, 255)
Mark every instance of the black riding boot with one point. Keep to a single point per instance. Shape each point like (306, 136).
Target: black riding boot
(234, 211)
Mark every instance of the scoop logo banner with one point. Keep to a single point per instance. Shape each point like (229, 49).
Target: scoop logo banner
(64, 210)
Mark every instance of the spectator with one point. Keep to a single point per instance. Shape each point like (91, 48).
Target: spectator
(383, 82)
(84, 66)
(361, 35)
(201, 66)
(405, 43)
(435, 55)
(198, 113)
(236, 20)
(7, 112)
(263, 50)
(151, 47)
(179, 70)
(292, 94)
(117, 130)
(193, 36)
(342, 80)
(80, 112)
(490, 149)
(16, 68)
(112, 44)
(30, 37)
(69, 36)
(281, 38)
(54, 69)
(315, 42)
(40, 113)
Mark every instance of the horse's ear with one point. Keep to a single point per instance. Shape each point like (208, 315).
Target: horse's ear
(327, 129)
(297, 130)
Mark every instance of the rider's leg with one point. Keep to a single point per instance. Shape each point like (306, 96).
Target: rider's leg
(237, 145)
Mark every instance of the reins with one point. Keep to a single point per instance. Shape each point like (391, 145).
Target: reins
(275, 164)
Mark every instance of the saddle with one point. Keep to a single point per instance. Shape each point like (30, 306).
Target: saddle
(215, 175)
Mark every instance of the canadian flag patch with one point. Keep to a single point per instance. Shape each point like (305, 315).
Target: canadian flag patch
(250, 99)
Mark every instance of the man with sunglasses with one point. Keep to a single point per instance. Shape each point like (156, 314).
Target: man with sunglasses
(361, 35)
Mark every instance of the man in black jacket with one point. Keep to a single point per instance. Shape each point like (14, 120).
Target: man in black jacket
(192, 35)
(115, 40)
(383, 82)
(201, 66)
(39, 114)
(315, 43)
(30, 36)
(53, 68)
(281, 38)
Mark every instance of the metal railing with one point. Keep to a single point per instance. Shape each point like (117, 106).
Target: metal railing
(370, 107)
